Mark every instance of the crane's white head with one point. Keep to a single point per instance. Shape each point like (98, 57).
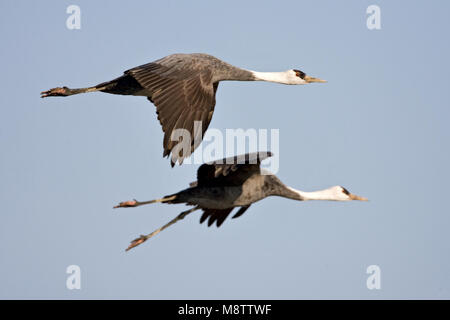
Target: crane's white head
(299, 77)
(292, 76)
(336, 193)
(339, 193)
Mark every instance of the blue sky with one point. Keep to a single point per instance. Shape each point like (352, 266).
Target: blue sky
(379, 127)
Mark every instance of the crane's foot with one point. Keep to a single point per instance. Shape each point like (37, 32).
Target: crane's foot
(137, 242)
(56, 92)
(128, 204)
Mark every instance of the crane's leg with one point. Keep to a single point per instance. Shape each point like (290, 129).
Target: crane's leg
(144, 238)
(125, 85)
(64, 91)
(134, 203)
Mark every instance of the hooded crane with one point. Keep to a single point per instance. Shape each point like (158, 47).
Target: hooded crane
(232, 183)
(183, 89)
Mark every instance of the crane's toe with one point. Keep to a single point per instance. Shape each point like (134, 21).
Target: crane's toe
(55, 92)
(127, 204)
(137, 242)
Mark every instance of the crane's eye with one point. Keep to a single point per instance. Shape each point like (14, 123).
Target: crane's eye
(300, 74)
(345, 191)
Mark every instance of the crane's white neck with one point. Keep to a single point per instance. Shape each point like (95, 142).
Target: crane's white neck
(332, 194)
(284, 77)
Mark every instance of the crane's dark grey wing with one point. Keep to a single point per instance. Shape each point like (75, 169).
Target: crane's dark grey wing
(230, 171)
(215, 215)
(219, 216)
(183, 92)
(240, 212)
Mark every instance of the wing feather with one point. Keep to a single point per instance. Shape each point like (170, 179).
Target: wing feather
(220, 215)
(215, 215)
(230, 171)
(182, 90)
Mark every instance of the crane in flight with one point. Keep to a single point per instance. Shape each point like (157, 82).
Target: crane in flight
(183, 89)
(231, 183)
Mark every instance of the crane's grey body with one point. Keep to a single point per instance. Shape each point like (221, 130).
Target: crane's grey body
(183, 89)
(185, 65)
(179, 66)
(224, 185)
(255, 188)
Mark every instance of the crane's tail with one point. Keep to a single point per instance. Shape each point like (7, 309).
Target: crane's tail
(135, 203)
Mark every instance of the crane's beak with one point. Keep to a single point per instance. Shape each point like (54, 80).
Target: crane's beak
(355, 197)
(309, 79)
